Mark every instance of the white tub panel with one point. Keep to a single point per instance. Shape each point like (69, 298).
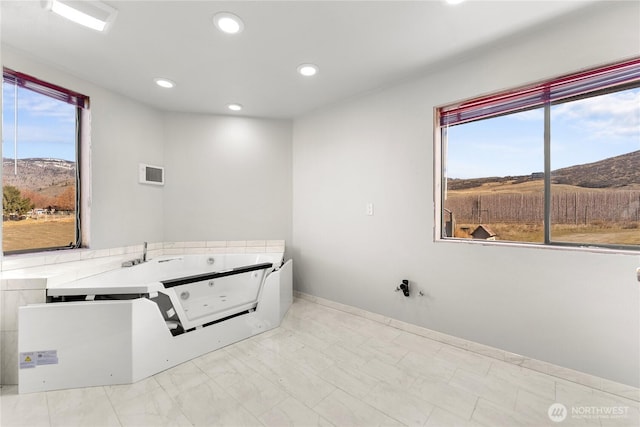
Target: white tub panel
(120, 342)
(154, 352)
(286, 287)
(92, 341)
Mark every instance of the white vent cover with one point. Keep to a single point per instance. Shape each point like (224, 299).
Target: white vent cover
(149, 174)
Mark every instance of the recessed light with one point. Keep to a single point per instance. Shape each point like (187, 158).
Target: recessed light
(308, 70)
(165, 83)
(234, 107)
(94, 14)
(452, 2)
(228, 23)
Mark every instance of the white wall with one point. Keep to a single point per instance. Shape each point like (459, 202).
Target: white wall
(572, 308)
(231, 178)
(123, 134)
(227, 178)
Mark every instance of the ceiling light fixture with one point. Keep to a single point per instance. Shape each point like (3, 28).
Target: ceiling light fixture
(228, 23)
(452, 2)
(308, 70)
(234, 107)
(165, 83)
(91, 14)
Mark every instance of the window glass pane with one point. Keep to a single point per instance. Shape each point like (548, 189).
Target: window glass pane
(595, 163)
(493, 178)
(39, 170)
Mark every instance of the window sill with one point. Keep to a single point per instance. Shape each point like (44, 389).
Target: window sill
(561, 247)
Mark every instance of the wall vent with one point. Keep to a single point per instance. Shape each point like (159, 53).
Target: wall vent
(149, 174)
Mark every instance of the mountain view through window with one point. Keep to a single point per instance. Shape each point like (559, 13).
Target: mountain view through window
(39, 169)
(493, 174)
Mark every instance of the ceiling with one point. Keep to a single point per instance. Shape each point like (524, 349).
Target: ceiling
(358, 45)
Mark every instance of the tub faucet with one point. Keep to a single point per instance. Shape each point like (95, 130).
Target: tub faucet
(144, 252)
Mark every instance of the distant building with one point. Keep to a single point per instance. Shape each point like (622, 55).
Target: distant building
(449, 226)
(483, 232)
(537, 175)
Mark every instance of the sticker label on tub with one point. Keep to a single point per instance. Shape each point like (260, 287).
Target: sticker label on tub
(28, 360)
(31, 359)
(48, 357)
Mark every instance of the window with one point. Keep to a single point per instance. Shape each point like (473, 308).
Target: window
(40, 169)
(554, 163)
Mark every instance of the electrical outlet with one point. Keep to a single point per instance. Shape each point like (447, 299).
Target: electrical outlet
(370, 209)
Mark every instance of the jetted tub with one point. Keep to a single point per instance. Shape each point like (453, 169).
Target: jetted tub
(201, 288)
(127, 324)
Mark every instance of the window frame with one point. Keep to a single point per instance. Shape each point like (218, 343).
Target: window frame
(545, 101)
(81, 103)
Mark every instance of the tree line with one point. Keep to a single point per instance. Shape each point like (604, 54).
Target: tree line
(18, 202)
(566, 208)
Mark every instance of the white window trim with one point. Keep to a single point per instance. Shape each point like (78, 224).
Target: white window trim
(438, 202)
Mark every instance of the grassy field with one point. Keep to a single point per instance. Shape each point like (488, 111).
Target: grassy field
(579, 215)
(534, 186)
(40, 233)
(614, 233)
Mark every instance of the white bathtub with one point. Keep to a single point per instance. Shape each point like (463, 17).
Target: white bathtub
(132, 322)
(216, 286)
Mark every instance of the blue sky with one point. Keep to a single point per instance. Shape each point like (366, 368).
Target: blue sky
(46, 127)
(582, 131)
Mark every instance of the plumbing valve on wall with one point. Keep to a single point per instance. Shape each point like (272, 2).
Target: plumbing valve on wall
(404, 287)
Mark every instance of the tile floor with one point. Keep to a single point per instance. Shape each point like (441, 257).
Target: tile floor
(324, 367)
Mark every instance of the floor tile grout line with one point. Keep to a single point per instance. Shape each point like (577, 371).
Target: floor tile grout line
(169, 395)
(257, 416)
(482, 374)
(475, 406)
(362, 401)
(515, 402)
(480, 396)
(279, 385)
(484, 411)
(46, 395)
(308, 406)
(113, 408)
(383, 381)
(356, 312)
(276, 385)
(518, 387)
